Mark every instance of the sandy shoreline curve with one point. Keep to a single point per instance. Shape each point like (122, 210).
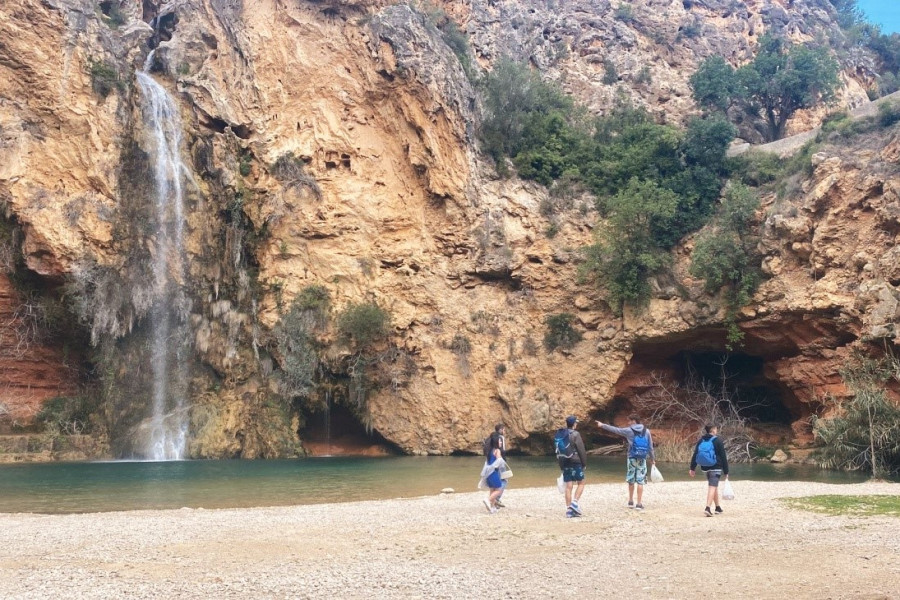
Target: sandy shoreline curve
(448, 546)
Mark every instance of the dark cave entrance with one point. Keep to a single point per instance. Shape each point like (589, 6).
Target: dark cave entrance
(334, 430)
(771, 381)
(738, 377)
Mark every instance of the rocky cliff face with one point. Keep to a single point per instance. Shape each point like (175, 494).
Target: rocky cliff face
(332, 143)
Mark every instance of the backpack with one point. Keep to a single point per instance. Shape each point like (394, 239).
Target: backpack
(706, 453)
(562, 444)
(640, 447)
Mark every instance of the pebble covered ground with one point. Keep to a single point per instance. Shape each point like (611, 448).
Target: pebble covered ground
(449, 546)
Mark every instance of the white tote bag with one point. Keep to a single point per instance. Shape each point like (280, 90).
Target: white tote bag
(561, 484)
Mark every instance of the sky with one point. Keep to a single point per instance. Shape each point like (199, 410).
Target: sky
(883, 12)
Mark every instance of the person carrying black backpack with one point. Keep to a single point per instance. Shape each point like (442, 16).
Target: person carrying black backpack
(710, 454)
(640, 448)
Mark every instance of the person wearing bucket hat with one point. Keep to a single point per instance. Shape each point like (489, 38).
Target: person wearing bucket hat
(572, 460)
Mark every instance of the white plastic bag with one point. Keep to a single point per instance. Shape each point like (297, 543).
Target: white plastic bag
(561, 484)
(727, 491)
(655, 475)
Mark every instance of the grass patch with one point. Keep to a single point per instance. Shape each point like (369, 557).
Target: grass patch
(857, 506)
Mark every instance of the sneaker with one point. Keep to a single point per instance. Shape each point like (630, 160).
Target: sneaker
(631, 504)
(487, 505)
(718, 510)
(570, 513)
(493, 510)
(575, 509)
(499, 504)
(707, 512)
(639, 507)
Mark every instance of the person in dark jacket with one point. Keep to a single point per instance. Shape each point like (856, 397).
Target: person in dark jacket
(573, 469)
(714, 472)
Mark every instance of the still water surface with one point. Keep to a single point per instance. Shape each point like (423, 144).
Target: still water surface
(110, 486)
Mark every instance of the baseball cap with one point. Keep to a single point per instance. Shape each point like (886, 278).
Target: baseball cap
(571, 420)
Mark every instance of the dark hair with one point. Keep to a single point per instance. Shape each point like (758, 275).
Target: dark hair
(495, 440)
(634, 417)
(498, 427)
(709, 427)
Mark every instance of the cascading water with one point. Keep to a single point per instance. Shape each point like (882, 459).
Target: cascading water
(168, 425)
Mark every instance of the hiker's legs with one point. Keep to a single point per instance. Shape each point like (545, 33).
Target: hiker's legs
(579, 487)
(503, 485)
(639, 466)
(712, 492)
(495, 494)
(569, 485)
(631, 493)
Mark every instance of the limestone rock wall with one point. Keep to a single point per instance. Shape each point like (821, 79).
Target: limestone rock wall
(394, 204)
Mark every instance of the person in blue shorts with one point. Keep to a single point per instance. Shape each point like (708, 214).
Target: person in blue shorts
(573, 468)
(493, 464)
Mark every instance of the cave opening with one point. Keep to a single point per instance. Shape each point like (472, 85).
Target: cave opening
(737, 377)
(334, 430)
(696, 366)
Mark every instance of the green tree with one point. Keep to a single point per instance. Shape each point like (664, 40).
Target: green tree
(725, 256)
(780, 80)
(866, 433)
(518, 104)
(627, 252)
(715, 84)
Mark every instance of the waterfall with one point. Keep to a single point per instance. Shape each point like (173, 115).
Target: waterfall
(168, 426)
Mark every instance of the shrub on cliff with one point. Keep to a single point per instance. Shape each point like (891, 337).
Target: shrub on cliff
(560, 333)
(364, 324)
(104, 78)
(866, 433)
(295, 338)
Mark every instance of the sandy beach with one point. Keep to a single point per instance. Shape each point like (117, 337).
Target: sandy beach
(448, 546)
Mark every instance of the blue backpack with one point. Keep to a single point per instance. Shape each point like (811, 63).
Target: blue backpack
(706, 453)
(640, 447)
(562, 444)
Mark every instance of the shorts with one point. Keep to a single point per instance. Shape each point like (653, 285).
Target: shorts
(713, 476)
(637, 471)
(574, 473)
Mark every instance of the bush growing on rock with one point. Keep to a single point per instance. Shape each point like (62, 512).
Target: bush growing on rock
(295, 338)
(364, 324)
(866, 433)
(560, 333)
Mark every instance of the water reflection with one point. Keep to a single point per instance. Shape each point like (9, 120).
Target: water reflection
(109, 486)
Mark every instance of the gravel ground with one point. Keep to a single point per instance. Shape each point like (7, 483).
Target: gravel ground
(448, 546)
